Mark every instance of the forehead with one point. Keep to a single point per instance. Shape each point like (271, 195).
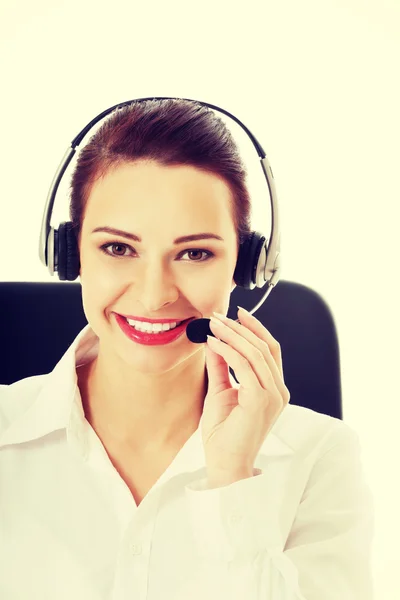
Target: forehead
(144, 186)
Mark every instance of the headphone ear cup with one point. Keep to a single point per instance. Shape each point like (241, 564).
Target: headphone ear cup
(247, 261)
(68, 254)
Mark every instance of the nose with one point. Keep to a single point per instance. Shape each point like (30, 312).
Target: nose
(156, 287)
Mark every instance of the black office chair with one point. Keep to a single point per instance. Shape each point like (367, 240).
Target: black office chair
(38, 321)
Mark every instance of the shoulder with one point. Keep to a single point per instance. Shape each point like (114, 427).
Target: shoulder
(16, 398)
(309, 432)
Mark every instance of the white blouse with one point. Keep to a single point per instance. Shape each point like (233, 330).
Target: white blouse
(300, 529)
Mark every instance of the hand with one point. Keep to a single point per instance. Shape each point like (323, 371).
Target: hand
(235, 422)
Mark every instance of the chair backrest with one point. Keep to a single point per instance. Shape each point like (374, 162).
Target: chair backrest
(38, 321)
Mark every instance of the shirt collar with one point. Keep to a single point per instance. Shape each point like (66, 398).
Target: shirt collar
(39, 405)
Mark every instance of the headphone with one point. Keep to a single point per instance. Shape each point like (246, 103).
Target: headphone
(258, 259)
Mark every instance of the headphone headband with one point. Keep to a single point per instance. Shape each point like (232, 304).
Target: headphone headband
(267, 265)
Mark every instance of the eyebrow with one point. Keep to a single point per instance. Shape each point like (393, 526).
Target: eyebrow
(179, 240)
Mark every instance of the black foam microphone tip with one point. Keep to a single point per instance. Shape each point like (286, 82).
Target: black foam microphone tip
(198, 330)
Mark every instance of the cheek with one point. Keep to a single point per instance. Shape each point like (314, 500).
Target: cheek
(99, 277)
(100, 292)
(207, 302)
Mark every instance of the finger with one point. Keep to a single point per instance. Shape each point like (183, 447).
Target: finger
(254, 325)
(250, 357)
(241, 331)
(243, 370)
(217, 369)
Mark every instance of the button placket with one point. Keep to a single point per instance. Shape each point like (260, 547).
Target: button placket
(136, 549)
(235, 518)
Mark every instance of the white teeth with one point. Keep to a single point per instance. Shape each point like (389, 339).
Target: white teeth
(155, 328)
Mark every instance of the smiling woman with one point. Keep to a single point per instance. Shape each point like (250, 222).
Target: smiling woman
(159, 205)
(244, 495)
(160, 277)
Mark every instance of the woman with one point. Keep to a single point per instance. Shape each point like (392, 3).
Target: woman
(139, 469)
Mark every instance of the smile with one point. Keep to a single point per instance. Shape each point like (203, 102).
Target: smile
(152, 336)
(152, 327)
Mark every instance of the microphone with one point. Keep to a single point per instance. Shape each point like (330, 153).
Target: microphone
(198, 330)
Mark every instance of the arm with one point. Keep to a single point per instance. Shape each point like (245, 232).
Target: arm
(326, 554)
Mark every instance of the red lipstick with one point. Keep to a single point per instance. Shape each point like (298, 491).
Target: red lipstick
(151, 339)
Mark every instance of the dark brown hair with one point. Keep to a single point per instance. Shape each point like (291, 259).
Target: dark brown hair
(171, 132)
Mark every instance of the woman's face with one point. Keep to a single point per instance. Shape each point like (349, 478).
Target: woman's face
(155, 278)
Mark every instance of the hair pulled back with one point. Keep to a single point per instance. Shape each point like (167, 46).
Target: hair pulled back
(172, 132)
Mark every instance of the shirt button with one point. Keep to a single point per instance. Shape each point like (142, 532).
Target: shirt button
(136, 549)
(235, 518)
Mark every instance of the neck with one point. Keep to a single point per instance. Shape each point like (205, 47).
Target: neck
(152, 412)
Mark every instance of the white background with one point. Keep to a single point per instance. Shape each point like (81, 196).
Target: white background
(317, 82)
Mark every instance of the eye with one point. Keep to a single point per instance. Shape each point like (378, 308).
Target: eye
(114, 244)
(104, 248)
(197, 251)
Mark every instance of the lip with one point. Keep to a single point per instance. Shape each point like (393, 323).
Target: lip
(154, 320)
(151, 339)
